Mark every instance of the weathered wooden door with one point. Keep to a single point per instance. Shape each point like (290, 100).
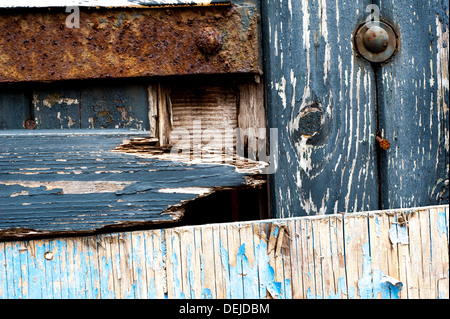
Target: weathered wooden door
(329, 104)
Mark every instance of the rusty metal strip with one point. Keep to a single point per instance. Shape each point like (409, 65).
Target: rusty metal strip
(115, 43)
(107, 3)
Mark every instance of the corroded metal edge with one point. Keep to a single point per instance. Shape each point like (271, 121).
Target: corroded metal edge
(37, 45)
(107, 3)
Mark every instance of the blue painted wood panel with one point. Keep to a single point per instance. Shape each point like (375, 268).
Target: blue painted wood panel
(14, 107)
(414, 105)
(373, 255)
(53, 181)
(321, 97)
(328, 104)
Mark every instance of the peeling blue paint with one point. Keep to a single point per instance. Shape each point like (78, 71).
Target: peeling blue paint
(225, 266)
(236, 282)
(267, 281)
(365, 285)
(377, 226)
(442, 224)
(398, 235)
(190, 270)
(342, 290)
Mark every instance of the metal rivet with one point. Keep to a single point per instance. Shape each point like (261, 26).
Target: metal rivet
(376, 41)
(209, 40)
(29, 124)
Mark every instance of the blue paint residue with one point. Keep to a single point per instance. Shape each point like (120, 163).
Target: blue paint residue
(442, 224)
(398, 235)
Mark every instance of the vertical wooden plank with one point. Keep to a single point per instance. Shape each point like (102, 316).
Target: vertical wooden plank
(9, 269)
(224, 260)
(22, 248)
(188, 262)
(15, 107)
(53, 267)
(398, 235)
(427, 289)
(321, 97)
(138, 262)
(164, 114)
(77, 272)
(357, 257)
(308, 267)
(317, 256)
(160, 262)
(198, 279)
(338, 257)
(153, 109)
(106, 267)
(249, 267)
(127, 282)
(269, 288)
(150, 260)
(285, 251)
(415, 243)
(235, 254)
(413, 105)
(39, 280)
(220, 272)
(3, 273)
(63, 260)
(325, 258)
(380, 257)
(295, 259)
(209, 280)
(173, 265)
(275, 259)
(439, 252)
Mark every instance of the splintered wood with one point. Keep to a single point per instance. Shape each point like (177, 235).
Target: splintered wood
(399, 254)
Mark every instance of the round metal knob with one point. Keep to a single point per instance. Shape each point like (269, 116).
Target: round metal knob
(376, 41)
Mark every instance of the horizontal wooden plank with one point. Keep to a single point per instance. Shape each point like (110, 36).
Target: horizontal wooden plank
(54, 181)
(323, 257)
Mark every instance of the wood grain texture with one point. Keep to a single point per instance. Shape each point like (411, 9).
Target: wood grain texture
(68, 181)
(14, 108)
(380, 254)
(321, 97)
(414, 105)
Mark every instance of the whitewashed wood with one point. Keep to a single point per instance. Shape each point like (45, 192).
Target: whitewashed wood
(340, 256)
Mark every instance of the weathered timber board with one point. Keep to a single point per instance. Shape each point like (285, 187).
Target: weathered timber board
(414, 105)
(66, 181)
(116, 105)
(321, 97)
(380, 254)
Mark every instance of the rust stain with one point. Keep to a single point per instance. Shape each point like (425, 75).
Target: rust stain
(116, 43)
(383, 143)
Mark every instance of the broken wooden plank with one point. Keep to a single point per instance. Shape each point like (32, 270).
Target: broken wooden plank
(73, 181)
